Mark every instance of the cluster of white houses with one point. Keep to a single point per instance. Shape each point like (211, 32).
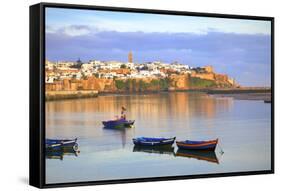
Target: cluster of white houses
(110, 69)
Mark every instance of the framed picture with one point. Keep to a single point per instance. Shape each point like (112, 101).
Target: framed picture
(122, 95)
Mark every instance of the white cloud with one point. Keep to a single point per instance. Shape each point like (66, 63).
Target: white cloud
(50, 29)
(76, 30)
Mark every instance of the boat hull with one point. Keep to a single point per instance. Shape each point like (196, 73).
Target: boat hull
(61, 144)
(197, 145)
(154, 142)
(118, 123)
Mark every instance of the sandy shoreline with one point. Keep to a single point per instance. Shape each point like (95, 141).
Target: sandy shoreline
(63, 95)
(244, 90)
(237, 93)
(250, 93)
(266, 97)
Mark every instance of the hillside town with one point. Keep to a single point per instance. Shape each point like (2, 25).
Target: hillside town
(130, 76)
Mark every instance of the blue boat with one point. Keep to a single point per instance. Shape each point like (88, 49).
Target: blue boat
(198, 145)
(147, 141)
(118, 123)
(59, 144)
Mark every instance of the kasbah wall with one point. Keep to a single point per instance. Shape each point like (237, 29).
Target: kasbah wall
(211, 75)
(91, 83)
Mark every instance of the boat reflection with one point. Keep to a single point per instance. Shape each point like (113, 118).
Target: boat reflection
(209, 156)
(156, 150)
(60, 154)
(122, 132)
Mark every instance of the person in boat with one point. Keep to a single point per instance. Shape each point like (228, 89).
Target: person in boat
(123, 113)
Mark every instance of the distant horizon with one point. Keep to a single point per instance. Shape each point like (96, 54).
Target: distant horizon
(239, 48)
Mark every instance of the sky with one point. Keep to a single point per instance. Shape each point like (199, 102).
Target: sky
(239, 48)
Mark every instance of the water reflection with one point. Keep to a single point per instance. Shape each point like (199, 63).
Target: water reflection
(155, 150)
(60, 154)
(147, 105)
(108, 154)
(84, 116)
(119, 132)
(209, 156)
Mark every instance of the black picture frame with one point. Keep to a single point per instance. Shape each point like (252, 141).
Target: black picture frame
(37, 94)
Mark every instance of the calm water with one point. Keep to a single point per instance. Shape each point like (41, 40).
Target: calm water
(243, 128)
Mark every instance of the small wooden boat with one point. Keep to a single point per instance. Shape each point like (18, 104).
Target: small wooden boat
(198, 145)
(58, 144)
(119, 123)
(209, 156)
(147, 141)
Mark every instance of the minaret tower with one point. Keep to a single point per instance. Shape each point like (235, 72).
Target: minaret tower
(130, 57)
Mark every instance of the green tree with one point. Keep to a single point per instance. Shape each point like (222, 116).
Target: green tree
(127, 84)
(96, 75)
(164, 83)
(154, 82)
(201, 83)
(120, 84)
(123, 66)
(134, 84)
(143, 85)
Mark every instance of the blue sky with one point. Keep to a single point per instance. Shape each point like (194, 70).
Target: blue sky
(240, 48)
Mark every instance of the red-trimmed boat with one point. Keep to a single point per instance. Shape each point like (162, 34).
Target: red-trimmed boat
(198, 145)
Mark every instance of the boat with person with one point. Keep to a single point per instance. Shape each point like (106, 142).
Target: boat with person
(198, 145)
(149, 141)
(61, 144)
(121, 122)
(118, 123)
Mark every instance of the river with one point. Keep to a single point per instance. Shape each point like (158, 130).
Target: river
(242, 126)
